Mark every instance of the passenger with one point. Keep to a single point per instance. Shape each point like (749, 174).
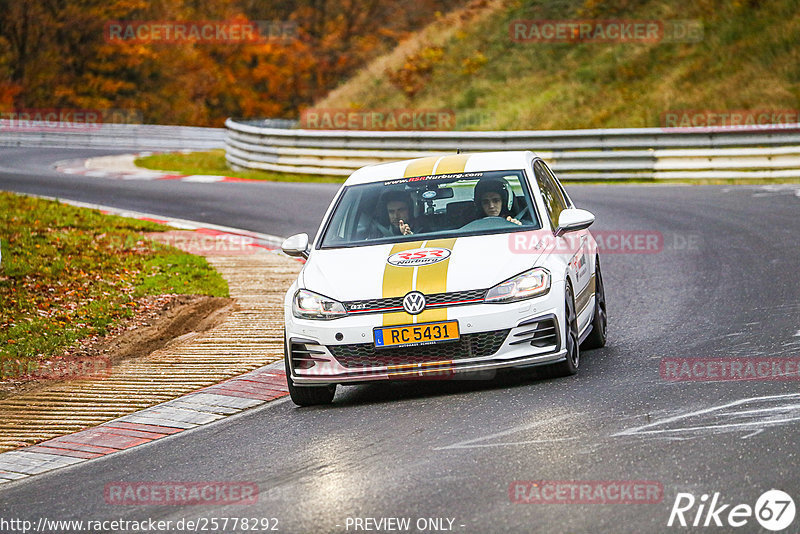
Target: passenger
(491, 199)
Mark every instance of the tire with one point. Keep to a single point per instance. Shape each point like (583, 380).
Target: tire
(597, 337)
(306, 395)
(569, 366)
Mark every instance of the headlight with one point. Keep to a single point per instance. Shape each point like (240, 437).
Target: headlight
(309, 305)
(523, 286)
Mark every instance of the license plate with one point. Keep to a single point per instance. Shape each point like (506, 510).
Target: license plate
(416, 334)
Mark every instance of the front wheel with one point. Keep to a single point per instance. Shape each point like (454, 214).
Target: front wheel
(597, 337)
(306, 395)
(570, 365)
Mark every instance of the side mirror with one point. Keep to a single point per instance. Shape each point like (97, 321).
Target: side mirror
(573, 219)
(296, 246)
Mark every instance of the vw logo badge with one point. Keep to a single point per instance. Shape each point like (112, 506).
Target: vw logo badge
(414, 302)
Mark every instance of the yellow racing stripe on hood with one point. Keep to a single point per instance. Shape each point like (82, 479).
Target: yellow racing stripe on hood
(433, 279)
(397, 281)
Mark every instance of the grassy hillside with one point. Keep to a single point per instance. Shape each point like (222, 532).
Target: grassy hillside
(748, 58)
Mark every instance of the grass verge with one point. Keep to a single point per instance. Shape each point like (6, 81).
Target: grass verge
(213, 162)
(69, 273)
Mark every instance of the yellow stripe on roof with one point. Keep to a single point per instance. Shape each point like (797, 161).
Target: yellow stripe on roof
(452, 164)
(421, 167)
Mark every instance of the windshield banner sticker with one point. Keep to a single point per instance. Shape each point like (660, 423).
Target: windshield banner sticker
(454, 176)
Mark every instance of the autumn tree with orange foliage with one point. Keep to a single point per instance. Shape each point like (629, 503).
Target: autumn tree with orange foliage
(55, 54)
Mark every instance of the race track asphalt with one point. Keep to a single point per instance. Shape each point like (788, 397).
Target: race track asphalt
(724, 285)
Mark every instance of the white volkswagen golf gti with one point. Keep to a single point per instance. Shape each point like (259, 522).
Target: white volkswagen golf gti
(441, 267)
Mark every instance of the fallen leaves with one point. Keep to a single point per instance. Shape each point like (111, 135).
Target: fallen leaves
(70, 273)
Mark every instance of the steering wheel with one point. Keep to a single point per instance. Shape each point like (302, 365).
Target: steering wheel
(488, 223)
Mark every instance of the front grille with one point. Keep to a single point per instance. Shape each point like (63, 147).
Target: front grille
(431, 301)
(454, 296)
(469, 346)
(373, 305)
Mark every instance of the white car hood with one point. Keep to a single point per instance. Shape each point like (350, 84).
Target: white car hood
(359, 273)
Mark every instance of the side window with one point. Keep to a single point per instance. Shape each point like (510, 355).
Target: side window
(564, 196)
(553, 200)
(342, 223)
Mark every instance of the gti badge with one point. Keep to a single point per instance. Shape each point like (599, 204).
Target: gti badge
(414, 302)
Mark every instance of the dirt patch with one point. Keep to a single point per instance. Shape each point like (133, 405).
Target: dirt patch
(179, 316)
(159, 321)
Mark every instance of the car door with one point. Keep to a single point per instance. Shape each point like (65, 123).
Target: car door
(573, 244)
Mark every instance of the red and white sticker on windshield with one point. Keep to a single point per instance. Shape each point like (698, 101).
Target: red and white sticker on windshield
(418, 257)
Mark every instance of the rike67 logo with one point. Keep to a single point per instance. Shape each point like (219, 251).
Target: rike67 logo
(774, 510)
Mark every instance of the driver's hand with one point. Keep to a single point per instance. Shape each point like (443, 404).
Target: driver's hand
(405, 229)
(513, 220)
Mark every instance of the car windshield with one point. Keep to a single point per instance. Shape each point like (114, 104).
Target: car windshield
(428, 207)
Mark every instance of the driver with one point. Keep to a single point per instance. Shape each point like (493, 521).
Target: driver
(399, 211)
(491, 199)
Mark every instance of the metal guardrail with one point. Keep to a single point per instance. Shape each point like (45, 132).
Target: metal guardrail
(621, 154)
(125, 136)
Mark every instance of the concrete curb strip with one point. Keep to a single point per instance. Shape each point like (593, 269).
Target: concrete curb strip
(247, 340)
(122, 168)
(168, 418)
(265, 241)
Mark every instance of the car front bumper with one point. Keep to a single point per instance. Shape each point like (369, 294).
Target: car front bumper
(493, 336)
